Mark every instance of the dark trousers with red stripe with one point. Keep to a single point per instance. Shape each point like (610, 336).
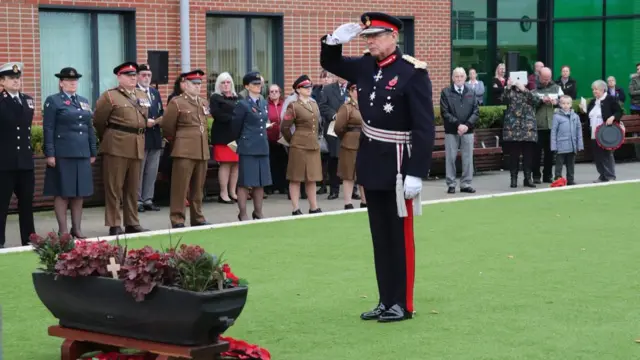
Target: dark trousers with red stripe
(393, 248)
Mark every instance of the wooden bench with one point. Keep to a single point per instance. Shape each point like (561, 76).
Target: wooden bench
(487, 151)
(632, 129)
(79, 342)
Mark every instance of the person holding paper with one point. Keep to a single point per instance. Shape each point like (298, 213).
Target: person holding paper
(348, 127)
(548, 92)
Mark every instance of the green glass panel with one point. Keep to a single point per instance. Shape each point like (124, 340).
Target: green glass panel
(622, 46)
(623, 7)
(579, 44)
(577, 8)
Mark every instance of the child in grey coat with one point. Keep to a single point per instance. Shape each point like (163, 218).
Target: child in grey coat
(566, 138)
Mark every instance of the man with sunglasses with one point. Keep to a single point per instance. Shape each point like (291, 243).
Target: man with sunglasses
(395, 98)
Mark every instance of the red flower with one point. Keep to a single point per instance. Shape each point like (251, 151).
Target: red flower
(68, 102)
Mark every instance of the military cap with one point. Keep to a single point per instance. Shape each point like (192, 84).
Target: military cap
(195, 76)
(376, 22)
(127, 68)
(12, 68)
(251, 77)
(302, 81)
(144, 67)
(68, 73)
(350, 85)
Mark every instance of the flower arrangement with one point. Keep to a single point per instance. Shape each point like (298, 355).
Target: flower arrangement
(187, 267)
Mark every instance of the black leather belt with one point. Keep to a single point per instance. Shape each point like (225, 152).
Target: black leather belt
(130, 130)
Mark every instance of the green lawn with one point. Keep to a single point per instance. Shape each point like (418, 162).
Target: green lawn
(542, 276)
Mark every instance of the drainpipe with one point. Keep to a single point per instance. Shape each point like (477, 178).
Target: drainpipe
(185, 43)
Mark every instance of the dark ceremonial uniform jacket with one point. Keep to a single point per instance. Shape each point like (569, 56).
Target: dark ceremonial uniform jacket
(120, 120)
(153, 135)
(68, 129)
(249, 127)
(186, 122)
(15, 132)
(396, 97)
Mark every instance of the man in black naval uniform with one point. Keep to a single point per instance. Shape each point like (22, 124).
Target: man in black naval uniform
(394, 93)
(16, 162)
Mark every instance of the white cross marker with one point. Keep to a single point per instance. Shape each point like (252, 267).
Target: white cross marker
(378, 75)
(113, 268)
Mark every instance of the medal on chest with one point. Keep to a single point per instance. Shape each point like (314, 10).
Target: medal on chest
(144, 102)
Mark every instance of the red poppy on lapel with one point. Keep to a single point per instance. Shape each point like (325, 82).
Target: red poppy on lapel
(68, 102)
(254, 109)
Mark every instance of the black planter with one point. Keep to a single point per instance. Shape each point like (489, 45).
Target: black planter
(166, 315)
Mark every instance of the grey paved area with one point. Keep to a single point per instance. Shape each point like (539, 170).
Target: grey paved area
(278, 205)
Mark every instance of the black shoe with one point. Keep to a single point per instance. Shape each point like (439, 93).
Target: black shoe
(140, 208)
(355, 196)
(133, 229)
(223, 201)
(255, 216)
(570, 183)
(373, 314)
(363, 205)
(514, 182)
(297, 212)
(332, 196)
(315, 211)
(321, 191)
(451, 190)
(115, 230)
(348, 207)
(468, 190)
(395, 313)
(178, 226)
(151, 207)
(529, 184)
(537, 181)
(204, 223)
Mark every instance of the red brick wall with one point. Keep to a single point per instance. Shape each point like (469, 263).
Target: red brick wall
(158, 28)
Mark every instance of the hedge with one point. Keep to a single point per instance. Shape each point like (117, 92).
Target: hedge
(490, 117)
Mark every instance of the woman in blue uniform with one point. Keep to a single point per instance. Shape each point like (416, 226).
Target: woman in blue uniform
(70, 148)
(249, 126)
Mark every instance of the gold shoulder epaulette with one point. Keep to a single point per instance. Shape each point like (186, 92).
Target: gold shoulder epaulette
(415, 62)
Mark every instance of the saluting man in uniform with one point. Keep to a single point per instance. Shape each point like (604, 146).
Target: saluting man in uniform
(185, 120)
(120, 120)
(394, 93)
(16, 155)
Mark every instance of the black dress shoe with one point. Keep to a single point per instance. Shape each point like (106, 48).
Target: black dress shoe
(363, 205)
(514, 182)
(395, 313)
(373, 314)
(451, 190)
(178, 226)
(315, 211)
(332, 196)
(355, 196)
(321, 191)
(133, 229)
(115, 230)
(529, 184)
(348, 207)
(255, 216)
(140, 208)
(223, 201)
(204, 223)
(468, 190)
(537, 181)
(151, 207)
(297, 212)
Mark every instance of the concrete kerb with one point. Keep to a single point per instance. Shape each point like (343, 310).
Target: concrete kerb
(331, 213)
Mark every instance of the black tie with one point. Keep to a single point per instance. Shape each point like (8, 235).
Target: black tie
(73, 100)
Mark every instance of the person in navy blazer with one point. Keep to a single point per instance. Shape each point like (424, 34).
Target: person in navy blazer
(249, 126)
(70, 149)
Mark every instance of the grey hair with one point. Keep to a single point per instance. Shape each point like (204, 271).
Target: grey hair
(600, 84)
(224, 77)
(458, 71)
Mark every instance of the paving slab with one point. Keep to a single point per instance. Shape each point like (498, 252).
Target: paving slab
(487, 183)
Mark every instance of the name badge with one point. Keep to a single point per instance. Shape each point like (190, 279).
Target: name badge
(85, 106)
(206, 111)
(30, 103)
(144, 102)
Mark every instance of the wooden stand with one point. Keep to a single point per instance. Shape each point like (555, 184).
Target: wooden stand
(78, 342)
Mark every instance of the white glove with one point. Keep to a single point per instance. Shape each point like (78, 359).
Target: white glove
(344, 33)
(412, 187)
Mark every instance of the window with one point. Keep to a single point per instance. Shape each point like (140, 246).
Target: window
(406, 36)
(623, 7)
(573, 8)
(101, 41)
(238, 45)
(622, 51)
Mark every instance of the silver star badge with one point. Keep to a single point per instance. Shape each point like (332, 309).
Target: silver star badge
(388, 108)
(372, 96)
(378, 75)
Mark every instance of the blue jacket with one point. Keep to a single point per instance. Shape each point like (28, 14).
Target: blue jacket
(566, 133)
(249, 127)
(68, 129)
(153, 136)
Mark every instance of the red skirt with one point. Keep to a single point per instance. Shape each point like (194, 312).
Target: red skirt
(223, 153)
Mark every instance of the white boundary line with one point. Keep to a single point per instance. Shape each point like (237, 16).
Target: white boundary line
(330, 213)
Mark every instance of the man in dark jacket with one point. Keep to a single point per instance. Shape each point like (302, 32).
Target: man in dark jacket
(460, 112)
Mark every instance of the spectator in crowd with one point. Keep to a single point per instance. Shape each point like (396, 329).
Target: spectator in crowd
(348, 127)
(326, 78)
(497, 88)
(519, 131)
(178, 88)
(459, 110)
(615, 91)
(476, 85)
(534, 79)
(249, 124)
(166, 163)
(567, 83)
(566, 138)
(277, 152)
(548, 92)
(304, 164)
(222, 103)
(152, 142)
(334, 95)
(603, 109)
(70, 148)
(634, 91)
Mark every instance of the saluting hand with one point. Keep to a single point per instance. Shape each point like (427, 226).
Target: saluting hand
(344, 33)
(51, 162)
(93, 159)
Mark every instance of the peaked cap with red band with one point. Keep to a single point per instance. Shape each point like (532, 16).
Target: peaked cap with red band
(302, 81)
(126, 68)
(376, 22)
(193, 76)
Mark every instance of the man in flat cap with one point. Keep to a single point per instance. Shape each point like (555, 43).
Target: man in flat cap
(120, 120)
(394, 93)
(186, 122)
(16, 163)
